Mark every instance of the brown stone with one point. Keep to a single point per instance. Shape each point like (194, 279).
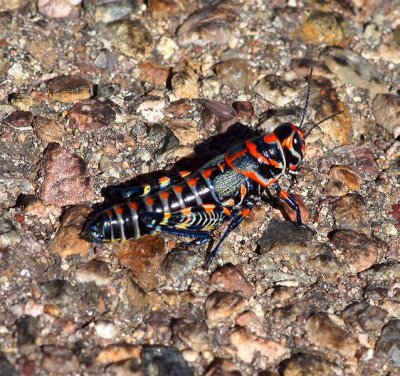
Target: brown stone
(347, 175)
(235, 73)
(156, 74)
(48, 130)
(21, 120)
(69, 89)
(160, 9)
(291, 214)
(185, 84)
(118, 353)
(233, 280)
(222, 306)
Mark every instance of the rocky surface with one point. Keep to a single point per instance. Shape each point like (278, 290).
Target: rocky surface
(97, 93)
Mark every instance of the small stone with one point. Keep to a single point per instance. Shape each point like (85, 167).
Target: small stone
(48, 130)
(244, 109)
(222, 367)
(107, 11)
(388, 343)
(250, 321)
(59, 360)
(248, 346)
(303, 364)
(153, 73)
(360, 251)
(6, 368)
(213, 23)
(184, 84)
(179, 263)
(346, 175)
(91, 115)
(69, 89)
(386, 111)
(9, 232)
(325, 267)
(349, 212)
(223, 306)
(130, 37)
(65, 180)
(193, 335)
(144, 257)
(22, 101)
(233, 280)
(107, 90)
(135, 295)
(164, 138)
(161, 9)
(57, 8)
(52, 310)
(18, 74)
(58, 292)
(276, 90)
(185, 130)
(94, 271)
(323, 27)
(27, 329)
(364, 317)
(21, 120)
(105, 329)
(118, 353)
(302, 66)
(152, 110)
(351, 68)
(68, 239)
(45, 50)
(162, 360)
(291, 214)
(323, 332)
(235, 73)
(382, 274)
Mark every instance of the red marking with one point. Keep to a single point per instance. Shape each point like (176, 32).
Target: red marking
(109, 213)
(252, 148)
(270, 138)
(243, 191)
(207, 173)
(245, 212)
(150, 201)
(192, 182)
(293, 168)
(133, 205)
(164, 195)
(227, 212)
(119, 210)
(288, 142)
(163, 179)
(184, 173)
(237, 155)
(178, 188)
(283, 195)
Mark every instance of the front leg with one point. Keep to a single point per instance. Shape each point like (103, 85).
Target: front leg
(286, 197)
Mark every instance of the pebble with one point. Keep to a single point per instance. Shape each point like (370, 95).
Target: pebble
(130, 37)
(325, 267)
(223, 306)
(48, 130)
(291, 214)
(69, 89)
(152, 110)
(184, 83)
(6, 368)
(235, 73)
(59, 292)
(351, 68)
(154, 73)
(386, 111)
(107, 11)
(276, 90)
(162, 360)
(388, 343)
(105, 329)
(23, 102)
(348, 176)
(59, 360)
(232, 279)
(144, 257)
(18, 74)
(21, 120)
(65, 179)
(179, 263)
(249, 346)
(349, 212)
(359, 251)
(26, 331)
(91, 115)
(310, 364)
(323, 332)
(161, 9)
(68, 241)
(250, 321)
(185, 130)
(10, 234)
(120, 352)
(301, 67)
(382, 274)
(94, 271)
(364, 317)
(323, 27)
(193, 335)
(214, 23)
(222, 367)
(58, 8)
(135, 295)
(164, 138)
(361, 159)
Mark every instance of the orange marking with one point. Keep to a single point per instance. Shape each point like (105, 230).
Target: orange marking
(245, 212)
(209, 208)
(252, 148)
(163, 180)
(293, 168)
(133, 205)
(192, 182)
(178, 188)
(119, 210)
(227, 211)
(288, 142)
(207, 173)
(270, 138)
(283, 195)
(164, 195)
(150, 200)
(235, 156)
(186, 211)
(184, 173)
(243, 191)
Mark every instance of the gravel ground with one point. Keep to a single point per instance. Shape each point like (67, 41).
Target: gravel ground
(94, 94)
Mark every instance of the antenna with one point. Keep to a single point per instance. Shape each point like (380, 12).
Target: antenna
(321, 121)
(307, 97)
